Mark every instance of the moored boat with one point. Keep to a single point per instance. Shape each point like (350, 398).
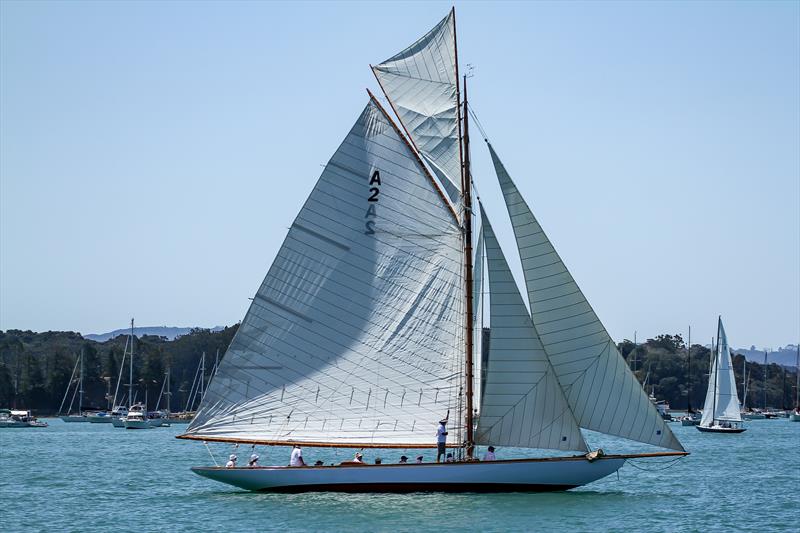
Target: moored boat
(19, 418)
(721, 411)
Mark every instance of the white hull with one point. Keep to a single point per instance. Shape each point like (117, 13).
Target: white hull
(530, 475)
(794, 417)
(140, 424)
(74, 418)
(97, 419)
(118, 422)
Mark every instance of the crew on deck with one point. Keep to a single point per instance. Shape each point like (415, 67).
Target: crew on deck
(297, 457)
(441, 439)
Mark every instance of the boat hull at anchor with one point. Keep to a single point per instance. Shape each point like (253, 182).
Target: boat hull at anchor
(717, 429)
(522, 475)
(74, 418)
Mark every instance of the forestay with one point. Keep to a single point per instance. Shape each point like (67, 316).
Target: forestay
(355, 336)
(523, 404)
(601, 390)
(422, 85)
(722, 398)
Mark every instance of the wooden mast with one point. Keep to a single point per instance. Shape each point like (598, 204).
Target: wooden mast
(466, 188)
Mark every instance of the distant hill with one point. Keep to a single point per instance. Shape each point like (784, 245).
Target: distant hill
(171, 333)
(786, 356)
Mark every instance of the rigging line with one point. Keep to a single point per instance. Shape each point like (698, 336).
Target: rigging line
(471, 111)
(661, 465)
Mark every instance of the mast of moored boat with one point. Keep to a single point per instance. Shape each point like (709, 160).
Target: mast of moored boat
(80, 384)
(797, 376)
(130, 379)
(467, 223)
(716, 373)
(689, 373)
(765, 380)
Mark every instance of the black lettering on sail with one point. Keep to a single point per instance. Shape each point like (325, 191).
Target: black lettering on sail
(374, 191)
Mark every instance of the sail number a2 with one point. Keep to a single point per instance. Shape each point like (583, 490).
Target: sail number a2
(374, 193)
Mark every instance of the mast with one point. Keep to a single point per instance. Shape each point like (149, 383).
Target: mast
(689, 373)
(466, 187)
(130, 379)
(716, 373)
(797, 376)
(744, 384)
(765, 380)
(80, 385)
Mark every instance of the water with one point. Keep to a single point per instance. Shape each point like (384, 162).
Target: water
(92, 477)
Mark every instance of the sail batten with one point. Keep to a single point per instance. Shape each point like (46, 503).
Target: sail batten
(602, 392)
(522, 403)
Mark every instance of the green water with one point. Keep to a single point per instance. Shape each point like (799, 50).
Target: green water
(92, 477)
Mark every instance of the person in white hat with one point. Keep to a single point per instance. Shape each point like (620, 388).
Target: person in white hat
(441, 438)
(231, 461)
(253, 460)
(297, 457)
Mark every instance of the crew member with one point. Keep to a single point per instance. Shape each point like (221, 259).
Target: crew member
(441, 439)
(297, 457)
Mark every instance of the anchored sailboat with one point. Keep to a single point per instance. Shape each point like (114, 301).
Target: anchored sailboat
(721, 412)
(80, 416)
(362, 333)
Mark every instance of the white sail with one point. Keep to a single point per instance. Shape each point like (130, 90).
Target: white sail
(523, 404)
(421, 84)
(722, 398)
(355, 337)
(603, 393)
(477, 323)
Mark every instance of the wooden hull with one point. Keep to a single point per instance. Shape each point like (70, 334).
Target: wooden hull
(720, 430)
(521, 475)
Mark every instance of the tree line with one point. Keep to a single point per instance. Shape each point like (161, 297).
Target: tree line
(35, 369)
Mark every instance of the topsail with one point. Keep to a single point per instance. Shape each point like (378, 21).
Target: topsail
(355, 336)
(603, 393)
(421, 83)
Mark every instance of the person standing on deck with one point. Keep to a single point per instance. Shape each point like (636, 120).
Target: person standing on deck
(441, 438)
(297, 457)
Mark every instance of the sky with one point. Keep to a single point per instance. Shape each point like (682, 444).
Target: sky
(154, 154)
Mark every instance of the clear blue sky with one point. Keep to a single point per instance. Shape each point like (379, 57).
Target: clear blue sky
(153, 155)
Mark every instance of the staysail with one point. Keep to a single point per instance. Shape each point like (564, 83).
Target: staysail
(355, 336)
(601, 390)
(421, 83)
(722, 398)
(523, 404)
(477, 322)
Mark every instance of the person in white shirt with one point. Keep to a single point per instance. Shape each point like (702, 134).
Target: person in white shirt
(253, 460)
(231, 461)
(489, 455)
(441, 439)
(297, 457)
(359, 458)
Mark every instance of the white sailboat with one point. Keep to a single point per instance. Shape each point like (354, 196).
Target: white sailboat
(361, 334)
(79, 416)
(721, 412)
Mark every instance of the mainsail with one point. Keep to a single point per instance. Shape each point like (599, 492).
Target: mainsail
(722, 398)
(601, 390)
(523, 404)
(421, 83)
(355, 336)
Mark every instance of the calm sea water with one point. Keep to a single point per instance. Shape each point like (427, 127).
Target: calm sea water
(92, 477)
